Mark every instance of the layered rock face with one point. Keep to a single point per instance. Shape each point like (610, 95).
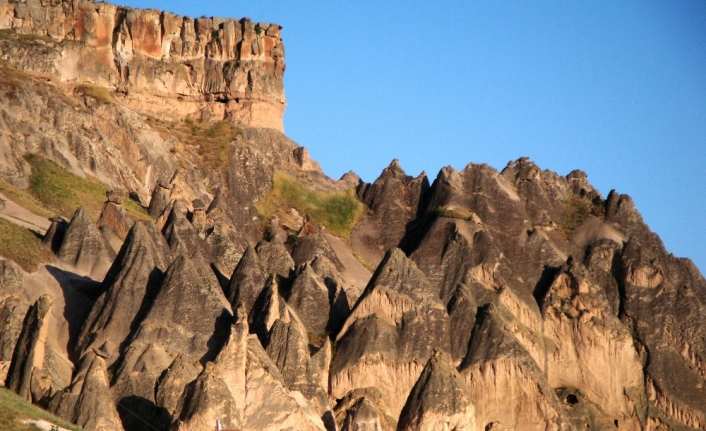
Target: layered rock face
(163, 63)
(512, 300)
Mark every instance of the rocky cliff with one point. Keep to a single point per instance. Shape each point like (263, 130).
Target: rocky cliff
(224, 277)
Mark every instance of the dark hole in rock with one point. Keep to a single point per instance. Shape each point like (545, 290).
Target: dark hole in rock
(572, 399)
(616, 423)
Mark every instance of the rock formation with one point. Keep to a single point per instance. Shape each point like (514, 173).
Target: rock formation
(14, 302)
(28, 375)
(516, 300)
(84, 247)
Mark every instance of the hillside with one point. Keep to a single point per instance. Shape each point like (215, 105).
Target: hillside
(171, 258)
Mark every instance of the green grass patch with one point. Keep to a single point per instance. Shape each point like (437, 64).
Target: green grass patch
(101, 94)
(25, 199)
(22, 245)
(449, 212)
(13, 409)
(338, 212)
(62, 192)
(575, 210)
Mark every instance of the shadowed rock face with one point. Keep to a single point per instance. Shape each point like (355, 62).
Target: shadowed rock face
(247, 281)
(29, 375)
(398, 318)
(14, 302)
(395, 200)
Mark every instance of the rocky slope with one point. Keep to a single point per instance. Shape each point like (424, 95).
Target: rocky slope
(477, 300)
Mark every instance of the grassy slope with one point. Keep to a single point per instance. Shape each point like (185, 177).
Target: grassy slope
(62, 192)
(22, 246)
(52, 190)
(14, 408)
(338, 212)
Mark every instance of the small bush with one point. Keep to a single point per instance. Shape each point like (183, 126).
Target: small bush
(575, 210)
(338, 212)
(317, 340)
(101, 94)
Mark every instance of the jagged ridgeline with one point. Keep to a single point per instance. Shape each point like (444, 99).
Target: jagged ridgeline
(171, 258)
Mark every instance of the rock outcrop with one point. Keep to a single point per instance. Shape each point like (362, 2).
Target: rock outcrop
(114, 215)
(28, 375)
(14, 302)
(94, 409)
(391, 333)
(439, 400)
(84, 247)
(162, 63)
(130, 286)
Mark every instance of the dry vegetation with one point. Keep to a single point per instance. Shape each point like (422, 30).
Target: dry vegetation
(101, 94)
(206, 144)
(13, 409)
(337, 212)
(22, 245)
(575, 210)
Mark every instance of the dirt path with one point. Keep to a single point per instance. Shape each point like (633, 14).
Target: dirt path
(17, 214)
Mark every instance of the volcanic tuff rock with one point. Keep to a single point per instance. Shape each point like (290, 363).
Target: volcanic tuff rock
(439, 400)
(84, 247)
(512, 300)
(14, 303)
(29, 374)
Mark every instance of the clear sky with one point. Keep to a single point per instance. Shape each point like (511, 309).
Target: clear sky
(614, 88)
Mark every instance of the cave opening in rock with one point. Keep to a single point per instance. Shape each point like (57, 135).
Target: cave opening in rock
(572, 399)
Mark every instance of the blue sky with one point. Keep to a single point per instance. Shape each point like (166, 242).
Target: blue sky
(614, 88)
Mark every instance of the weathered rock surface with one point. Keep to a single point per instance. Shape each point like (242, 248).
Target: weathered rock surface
(365, 410)
(247, 281)
(439, 400)
(163, 63)
(395, 199)
(14, 302)
(85, 248)
(130, 286)
(94, 409)
(114, 216)
(29, 375)
(505, 383)
(391, 333)
(275, 258)
(288, 348)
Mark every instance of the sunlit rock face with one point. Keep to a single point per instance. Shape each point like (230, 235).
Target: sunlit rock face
(164, 64)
